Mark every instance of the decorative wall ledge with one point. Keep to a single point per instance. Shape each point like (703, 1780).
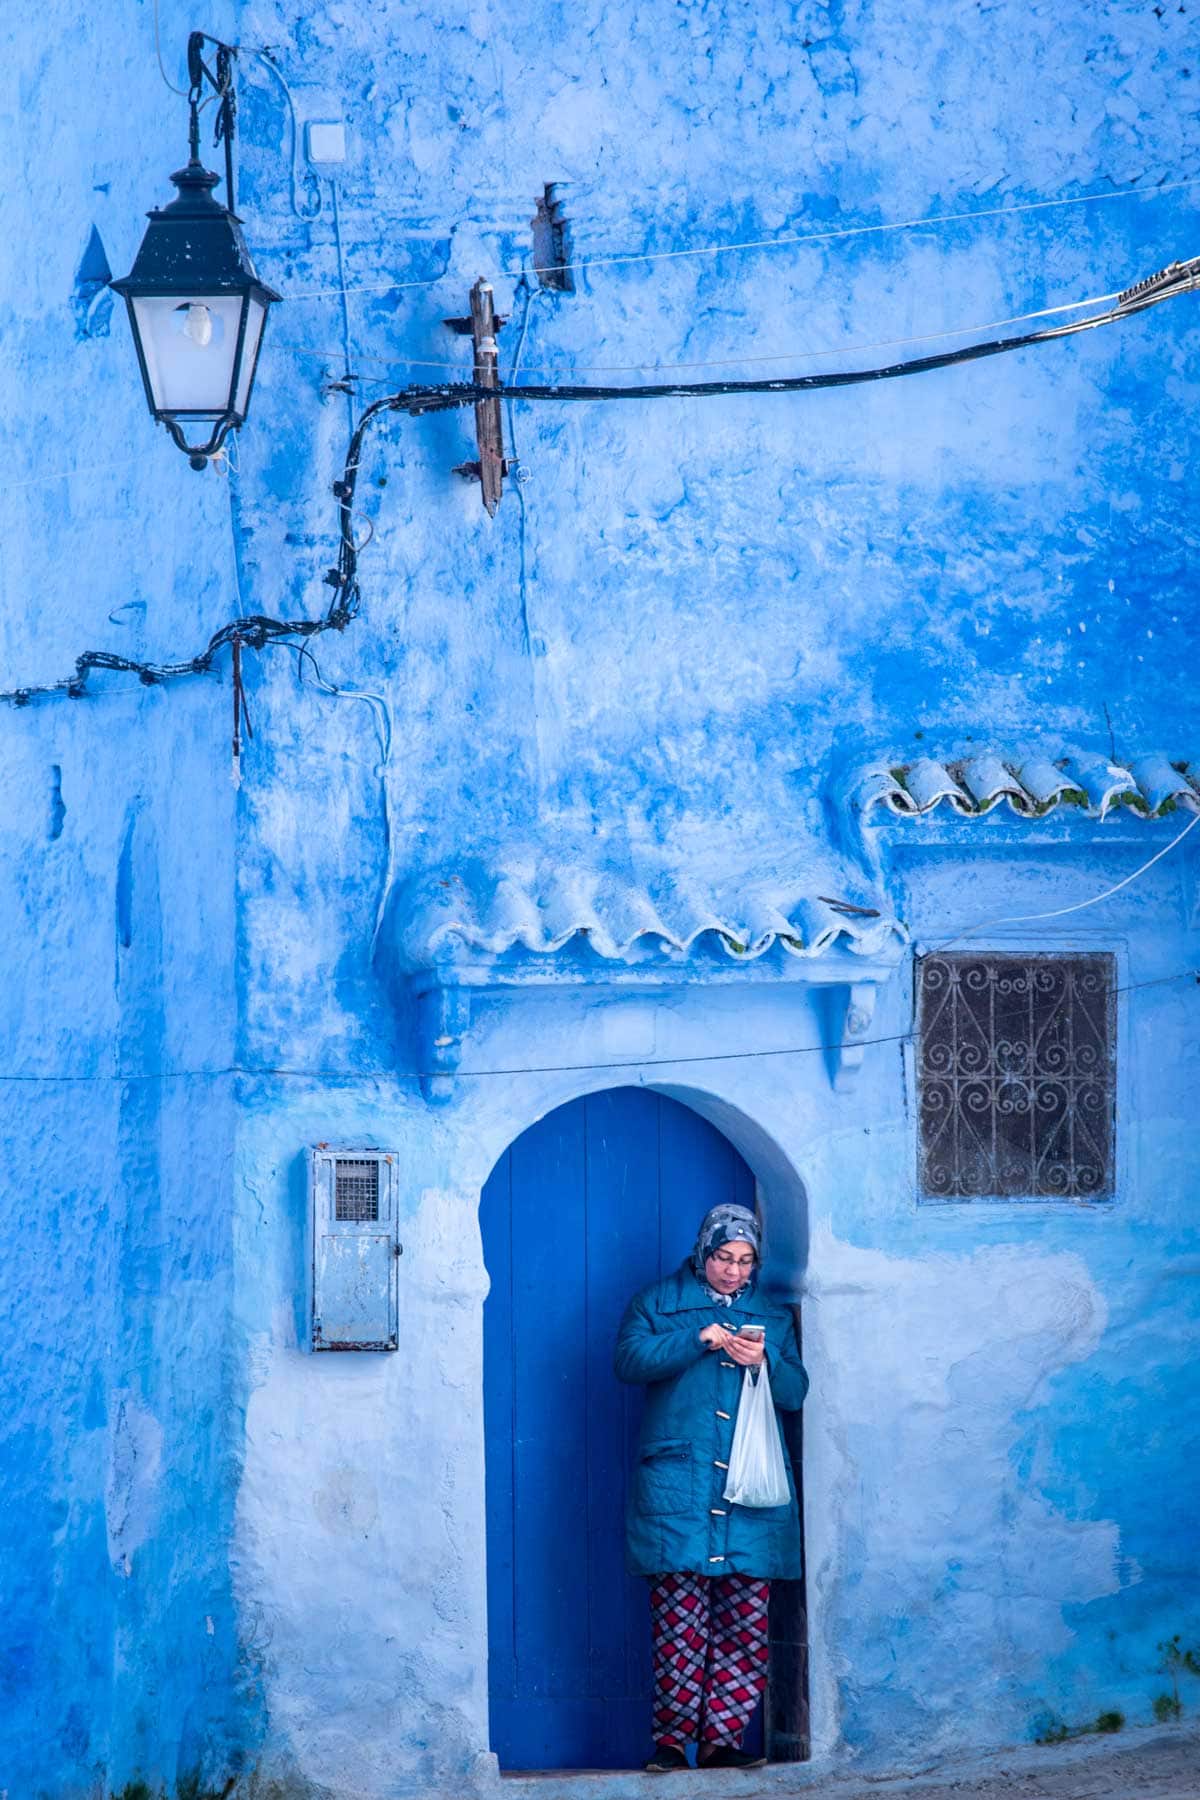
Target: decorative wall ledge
(458, 935)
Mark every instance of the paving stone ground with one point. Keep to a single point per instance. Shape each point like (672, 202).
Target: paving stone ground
(1159, 1763)
(1149, 1765)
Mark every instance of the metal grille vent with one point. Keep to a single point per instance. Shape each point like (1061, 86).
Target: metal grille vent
(356, 1190)
(1016, 1065)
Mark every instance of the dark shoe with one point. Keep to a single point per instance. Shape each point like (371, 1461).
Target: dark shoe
(668, 1759)
(725, 1756)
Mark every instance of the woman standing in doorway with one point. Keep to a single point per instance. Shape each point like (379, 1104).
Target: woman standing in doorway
(710, 1562)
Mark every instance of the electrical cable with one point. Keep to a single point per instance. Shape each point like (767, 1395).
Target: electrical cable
(266, 58)
(254, 629)
(723, 362)
(125, 462)
(1061, 912)
(522, 475)
(409, 362)
(576, 1068)
(348, 377)
(162, 68)
(818, 237)
(381, 714)
(617, 368)
(450, 395)
(1178, 278)
(804, 237)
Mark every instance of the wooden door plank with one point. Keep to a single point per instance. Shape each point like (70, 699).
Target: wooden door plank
(495, 1220)
(622, 1256)
(549, 1372)
(697, 1173)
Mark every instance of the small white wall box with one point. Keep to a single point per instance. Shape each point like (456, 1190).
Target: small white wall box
(325, 141)
(355, 1248)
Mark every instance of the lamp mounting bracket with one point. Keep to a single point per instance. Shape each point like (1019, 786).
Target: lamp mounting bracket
(219, 77)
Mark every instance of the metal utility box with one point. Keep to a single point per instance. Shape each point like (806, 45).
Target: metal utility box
(355, 1249)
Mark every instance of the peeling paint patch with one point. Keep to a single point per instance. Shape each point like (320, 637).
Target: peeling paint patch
(130, 1498)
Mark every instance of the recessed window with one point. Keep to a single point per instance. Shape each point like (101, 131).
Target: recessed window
(1016, 1065)
(552, 243)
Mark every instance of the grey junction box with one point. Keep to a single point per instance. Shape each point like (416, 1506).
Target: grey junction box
(355, 1248)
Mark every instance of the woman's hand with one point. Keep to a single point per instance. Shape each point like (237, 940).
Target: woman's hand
(715, 1337)
(750, 1352)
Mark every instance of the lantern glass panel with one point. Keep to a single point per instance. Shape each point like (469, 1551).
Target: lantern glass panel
(190, 349)
(255, 316)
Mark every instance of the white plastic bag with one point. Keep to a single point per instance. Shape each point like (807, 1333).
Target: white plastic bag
(757, 1476)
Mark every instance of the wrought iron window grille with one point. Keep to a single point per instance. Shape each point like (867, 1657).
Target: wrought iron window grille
(1016, 1076)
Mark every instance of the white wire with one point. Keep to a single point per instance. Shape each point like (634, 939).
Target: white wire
(381, 713)
(1061, 912)
(126, 462)
(268, 62)
(182, 92)
(775, 243)
(723, 362)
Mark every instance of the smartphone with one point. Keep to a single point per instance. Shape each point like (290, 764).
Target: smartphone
(751, 1331)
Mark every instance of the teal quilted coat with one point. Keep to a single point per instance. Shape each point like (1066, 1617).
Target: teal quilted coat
(677, 1517)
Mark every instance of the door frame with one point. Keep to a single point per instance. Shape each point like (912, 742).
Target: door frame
(782, 1195)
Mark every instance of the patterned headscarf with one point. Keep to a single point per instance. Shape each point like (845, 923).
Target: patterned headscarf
(726, 1225)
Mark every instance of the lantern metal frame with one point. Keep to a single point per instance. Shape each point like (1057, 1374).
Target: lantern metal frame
(194, 250)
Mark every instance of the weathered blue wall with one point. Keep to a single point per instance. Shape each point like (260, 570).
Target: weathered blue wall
(663, 654)
(121, 1652)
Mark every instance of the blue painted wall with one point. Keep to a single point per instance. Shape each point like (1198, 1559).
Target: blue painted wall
(665, 652)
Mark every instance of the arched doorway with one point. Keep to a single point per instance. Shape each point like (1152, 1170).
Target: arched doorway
(590, 1204)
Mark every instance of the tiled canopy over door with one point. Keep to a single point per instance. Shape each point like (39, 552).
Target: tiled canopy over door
(588, 1206)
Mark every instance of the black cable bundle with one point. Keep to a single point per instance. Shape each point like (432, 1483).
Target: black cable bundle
(258, 630)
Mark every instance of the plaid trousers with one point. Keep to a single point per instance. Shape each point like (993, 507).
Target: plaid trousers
(710, 1655)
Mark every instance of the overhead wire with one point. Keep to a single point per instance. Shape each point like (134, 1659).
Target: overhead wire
(267, 59)
(722, 362)
(1181, 278)
(1062, 912)
(783, 241)
(126, 462)
(381, 1073)
(860, 349)
(162, 68)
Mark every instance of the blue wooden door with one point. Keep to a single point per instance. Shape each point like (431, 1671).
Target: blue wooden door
(589, 1205)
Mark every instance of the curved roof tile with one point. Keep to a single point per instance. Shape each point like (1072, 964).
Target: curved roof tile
(621, 920)
(1031, 786)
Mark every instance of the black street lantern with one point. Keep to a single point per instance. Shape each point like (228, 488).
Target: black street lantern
(196, 305)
